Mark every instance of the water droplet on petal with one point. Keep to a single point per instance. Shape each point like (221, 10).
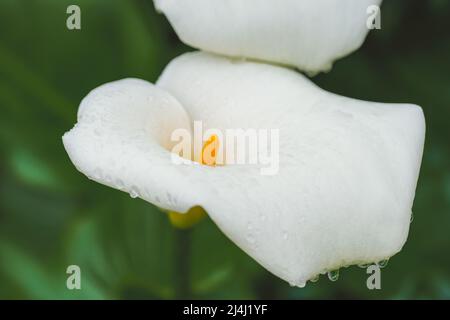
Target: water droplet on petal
(364, 265)
(315, 279)
(134, 192)
(333, 275)
(383, 263)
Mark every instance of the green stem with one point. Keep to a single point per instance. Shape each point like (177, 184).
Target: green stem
(182, 263)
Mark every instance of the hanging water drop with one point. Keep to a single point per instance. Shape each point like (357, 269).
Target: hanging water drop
(364, 265)
(315, 279)
(383, 263)
(134, 193)
(333, 275)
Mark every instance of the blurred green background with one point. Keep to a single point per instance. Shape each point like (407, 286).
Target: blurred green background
(52, 216)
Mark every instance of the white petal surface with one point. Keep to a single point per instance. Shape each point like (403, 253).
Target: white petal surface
(307, 34)
(348, 169)
(122, 137)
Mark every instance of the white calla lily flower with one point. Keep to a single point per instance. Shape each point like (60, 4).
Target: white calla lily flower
(307, 34)
(347, 168)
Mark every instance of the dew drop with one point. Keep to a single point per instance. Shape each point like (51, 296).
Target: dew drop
(333, 275)
(134, 192)
(383, 263)
(364, 265)
(315, 279)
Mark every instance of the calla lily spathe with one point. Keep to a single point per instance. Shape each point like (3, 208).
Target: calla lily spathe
(348, 168)
(307, 34)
